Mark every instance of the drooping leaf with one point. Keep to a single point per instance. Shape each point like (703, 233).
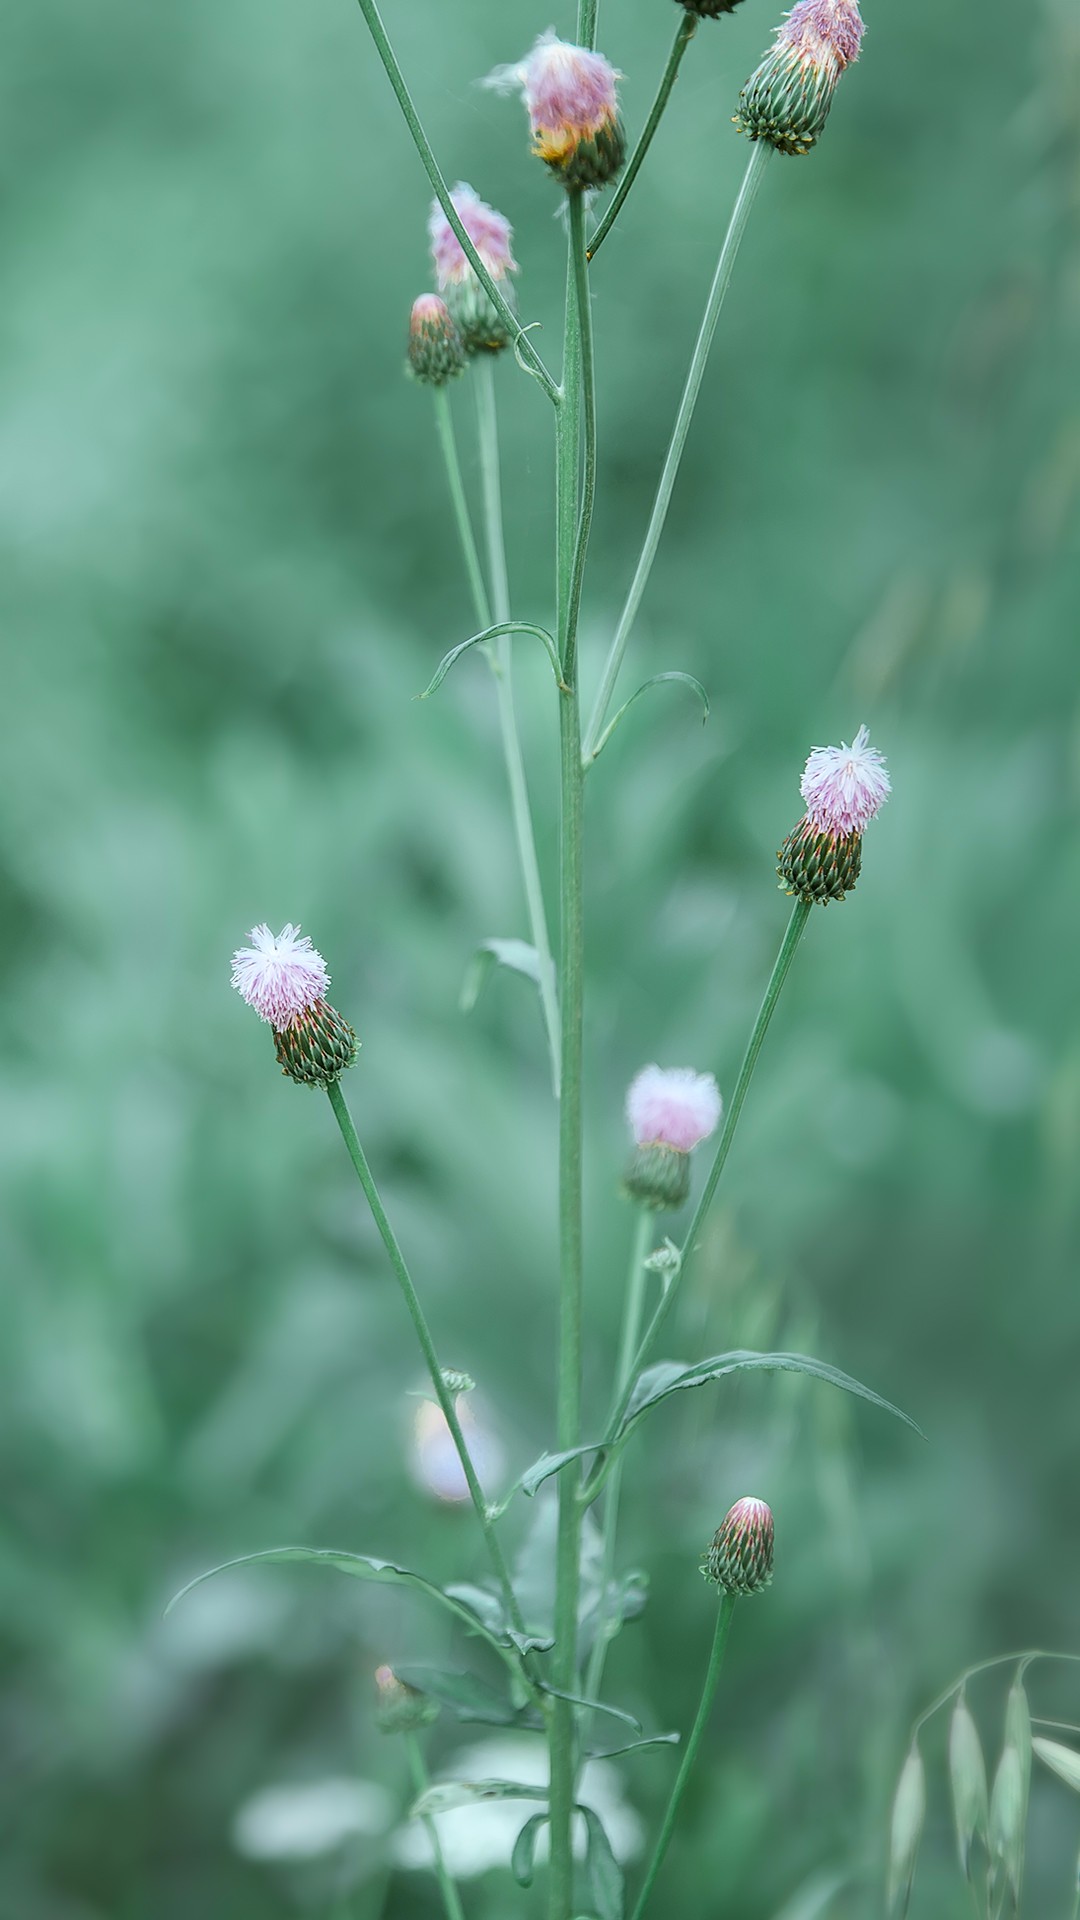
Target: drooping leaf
(448, 1794)
(523, 1858)
(467, 1697)
(516, 955)
(967, 1773)
(487, 1606)
(603, 1874)
(657, 680)
(634, 1746)
(594, 1706)
(814, 1899)
(905, 1830)
(360, 1567)
(1064, 1761)
(548, 1463)
(670, 1376)
(493, 633)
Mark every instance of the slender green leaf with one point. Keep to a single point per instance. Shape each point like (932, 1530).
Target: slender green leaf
(908, 1813)
(360, 1567)
(594, 1706)
(542, 1469)
(1008, 1818)
(448, 1794)
(530, 1642)
(492, 633)
(516, 955)
(603, 1874)
(1018, 1729)
(657, 680)
(467, 1697)
(523, 1858)
(1064, 1761)
(634, 1746)
(814, 1899)
(669, 1376)
(967, 1773)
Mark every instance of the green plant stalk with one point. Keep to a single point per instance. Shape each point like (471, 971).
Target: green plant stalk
(427, 1346)
(683, 35)
(488, 428)
(759, 156)
(447, 1887)
(586, 22)
(444, 421)
(572, 416)
(579, 267)
(800, 914)
(527, 355)
(633, 1313)
(708, 1693)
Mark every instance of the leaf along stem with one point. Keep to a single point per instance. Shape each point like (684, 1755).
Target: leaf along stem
(421, 1782)
(708, 1694)
(427, 1346)
(759, 155)
(684, 33)
(523, 346)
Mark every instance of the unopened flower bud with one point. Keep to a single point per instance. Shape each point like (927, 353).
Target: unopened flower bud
(843, 787)
(400, 1708)
(457, 1382)
(787, 100)
(478, 321)
(670, 1112)
(436, 349)
(740, 1559)
(570, 94)
(284, 979)
(709, 9)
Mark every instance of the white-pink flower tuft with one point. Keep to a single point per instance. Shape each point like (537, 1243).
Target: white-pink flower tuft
(489, 231)
(280, 975)
(570, 93)
(673, 1107)
(844, 787)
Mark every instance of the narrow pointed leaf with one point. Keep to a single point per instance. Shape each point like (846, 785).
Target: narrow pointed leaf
(1018, 1728)
(448, 1794)
(967, 1773)
(594, 1706)
(1064, 1761)
(517, 956)
(669, 1376)
(523, 1858)
(908, 1813)
(657, 680)
(492, 633)
(603, 1874)
(542, 1469)
(634, 1746)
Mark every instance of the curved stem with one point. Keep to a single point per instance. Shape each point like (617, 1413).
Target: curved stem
(421, 1782)
(759, 155)
(684, 34)
(716, 1661)
(800, 913)
(526, 352)
(427, 1346)
(583, 302)
(444, 421)
(488, 427)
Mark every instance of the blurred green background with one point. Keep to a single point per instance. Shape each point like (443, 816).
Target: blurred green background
(227, 571)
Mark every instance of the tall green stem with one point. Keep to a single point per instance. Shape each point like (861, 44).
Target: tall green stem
(684, 33)
(427, 1346)
(583, 304)
(571, 535)
(708, 1693)
(759, 155)
(447, 1887)
(523, 346)
(444, 421)
(488, 425)
(800, 914)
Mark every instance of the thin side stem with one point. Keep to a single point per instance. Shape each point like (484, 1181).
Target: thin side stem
(759, 156)
(708, 1693)
(583, 302)
(421, 1782)
(633, 1313)
(427, 1346)
(523, 346)
(488, 427)
(683, 35)
(444, 421)
(587, 13)
(571, 978)
(800, 914)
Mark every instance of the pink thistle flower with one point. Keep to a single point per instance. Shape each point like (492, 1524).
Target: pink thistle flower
(824, 31)
(490, 233)
(673, 1107)
(844, 787)
(571, 97)
(280, 975)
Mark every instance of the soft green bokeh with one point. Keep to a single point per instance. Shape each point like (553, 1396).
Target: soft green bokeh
(227, 571)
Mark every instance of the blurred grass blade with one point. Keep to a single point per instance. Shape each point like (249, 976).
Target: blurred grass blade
(523, 1858)
(603, 1874)
(1064, 1761)
(967, 1773)
(812, 1902)
(1018, 1728)
(516, 955)
(1008, 1817)
(908, 1813)
(669, 1376)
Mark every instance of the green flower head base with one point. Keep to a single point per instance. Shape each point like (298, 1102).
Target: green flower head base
(740, 1559)
(436, 349)
(844, 788)
(571, 96)
(787, 100)
(670, 1110)
(479, 323)
(284, 979)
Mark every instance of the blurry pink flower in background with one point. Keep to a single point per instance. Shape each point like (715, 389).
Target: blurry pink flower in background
(280, 975)
(673, 1107)
(433, 1457)
(844, 787)
(570, 94)
(490, 233)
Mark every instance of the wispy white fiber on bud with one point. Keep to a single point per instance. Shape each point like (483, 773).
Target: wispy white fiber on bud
(279, 975)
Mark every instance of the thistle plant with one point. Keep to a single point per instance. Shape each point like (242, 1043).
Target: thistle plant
(466, 331)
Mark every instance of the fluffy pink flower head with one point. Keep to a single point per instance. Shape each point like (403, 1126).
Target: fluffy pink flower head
(844, 787)
(570, 93)
(673, 1107)
(280, 975)
(824, 32)
(490, 233)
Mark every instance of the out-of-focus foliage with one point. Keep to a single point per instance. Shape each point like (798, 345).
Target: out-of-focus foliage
(227, 570)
